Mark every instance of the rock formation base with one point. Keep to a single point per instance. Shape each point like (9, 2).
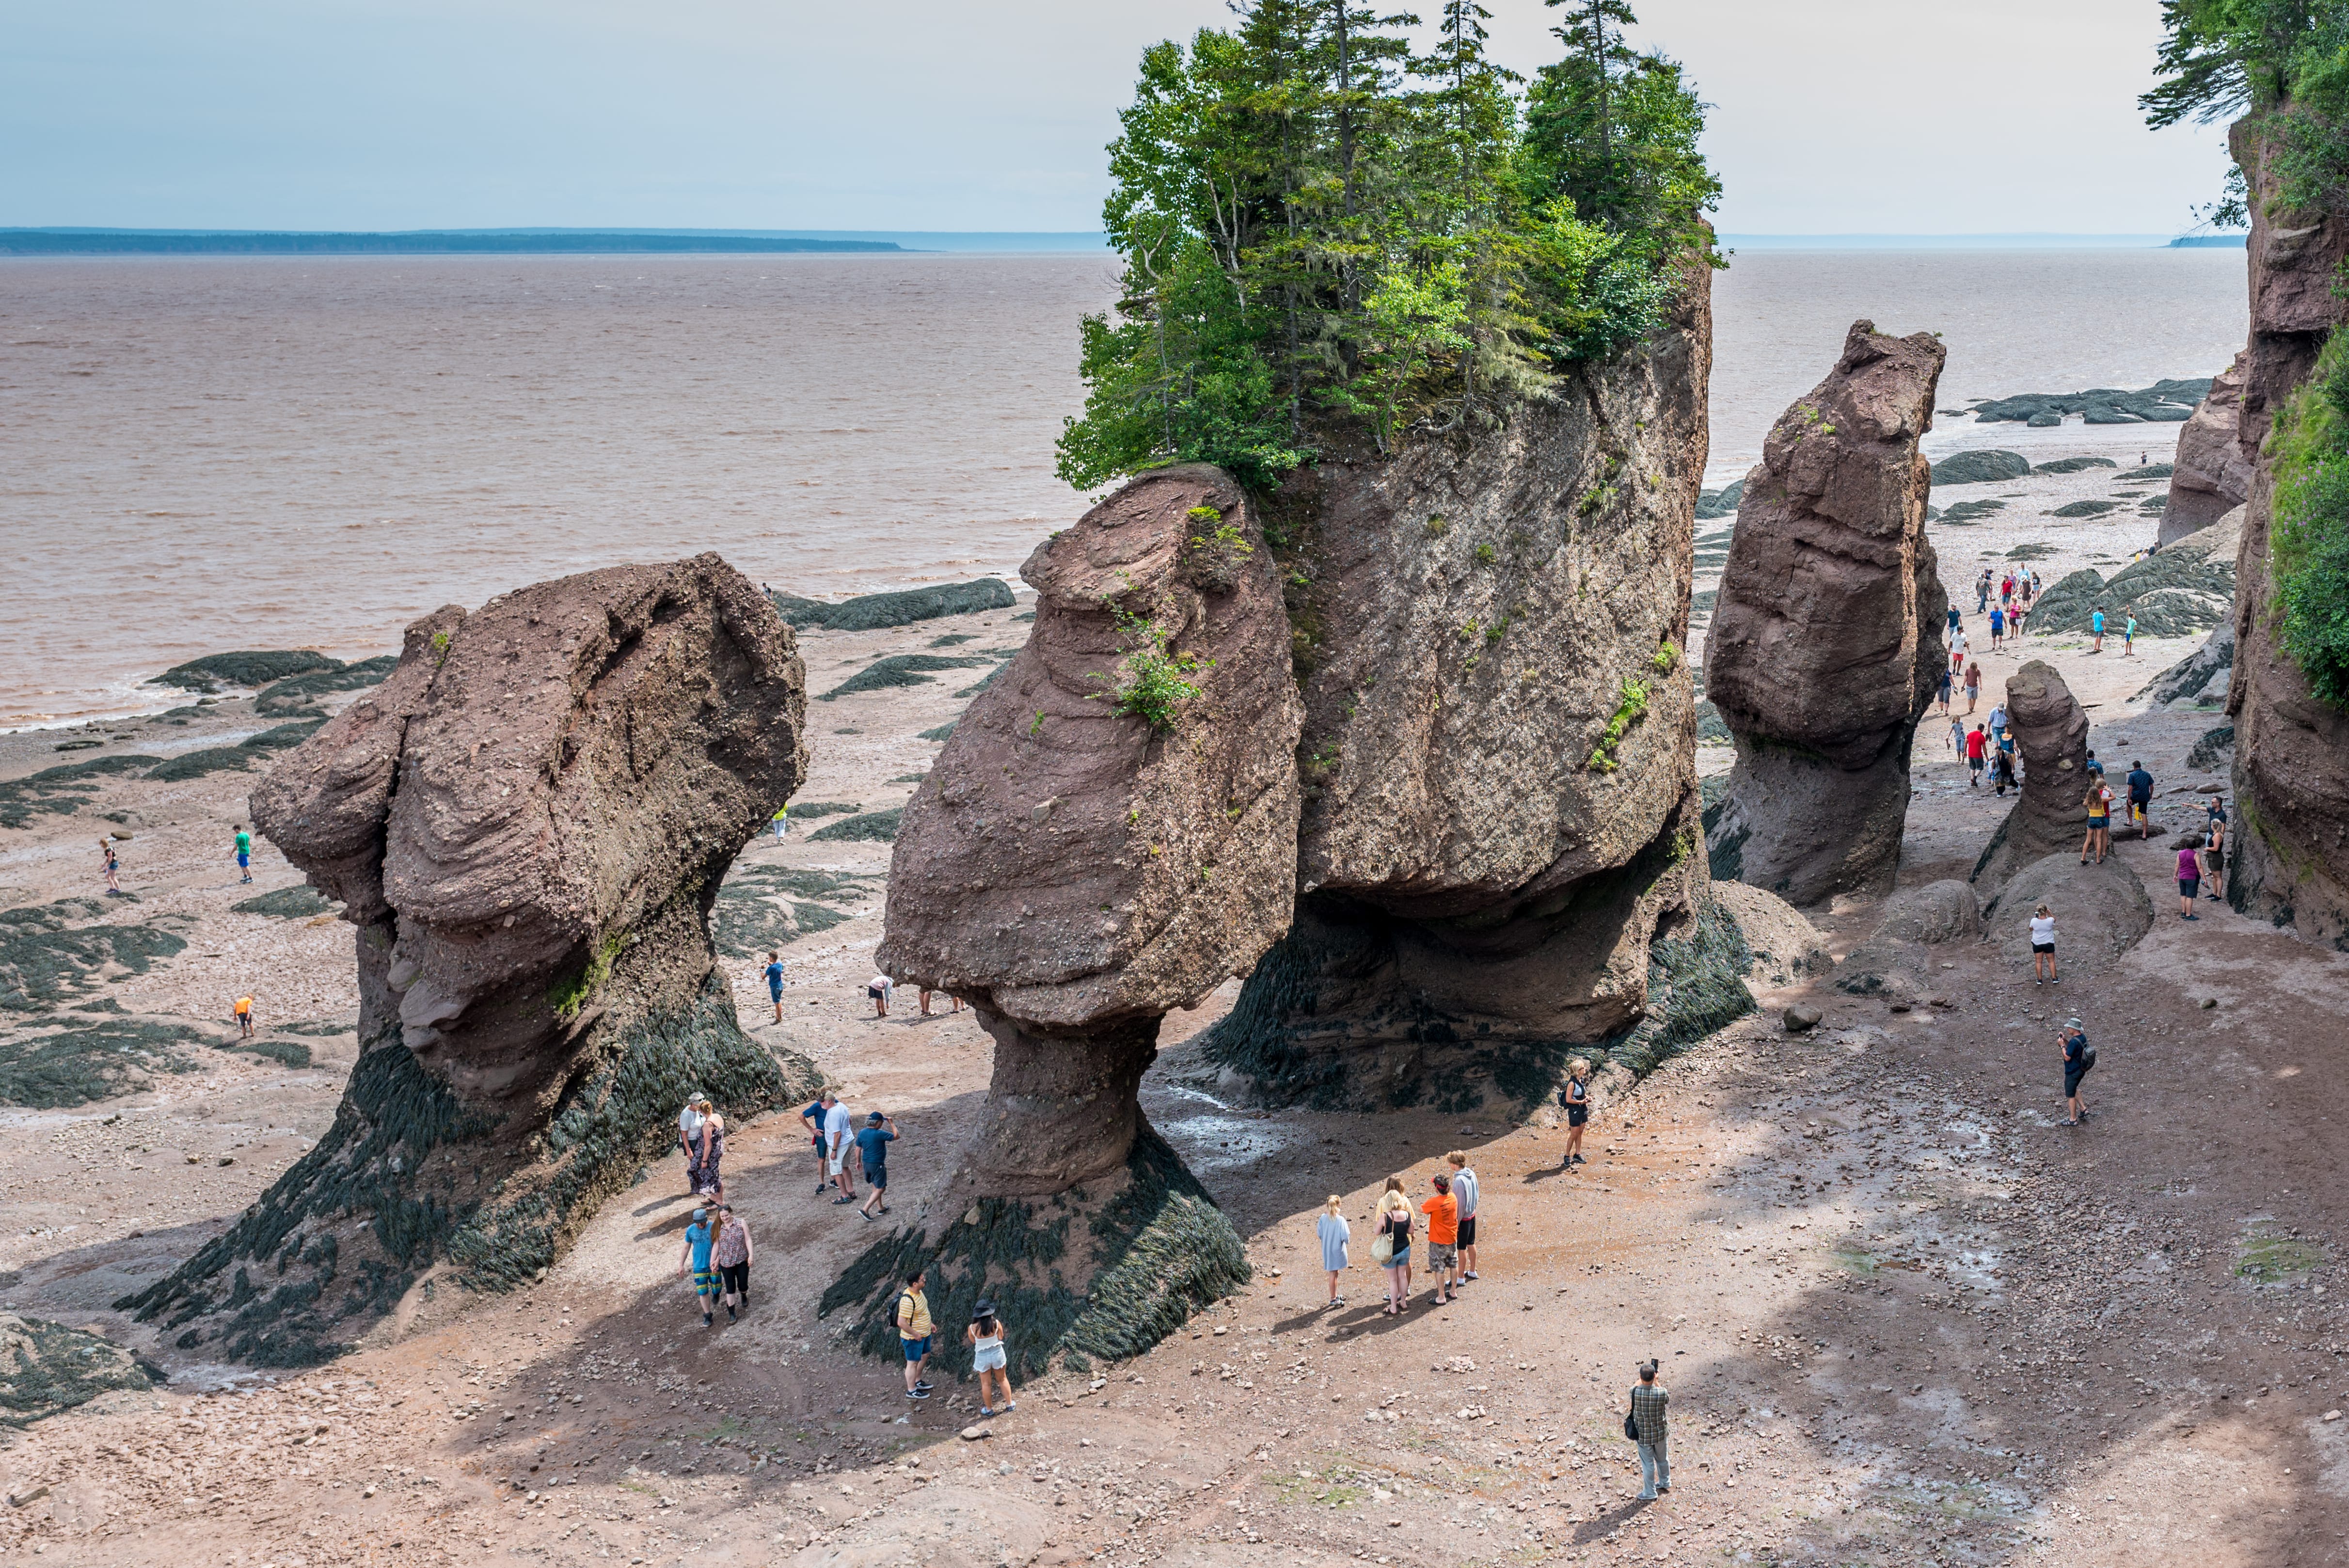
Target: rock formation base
(1099, 1272)
(1804, 829)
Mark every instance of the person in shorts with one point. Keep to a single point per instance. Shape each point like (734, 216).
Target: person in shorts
(1578, 1110)
(243, 854)
(873, 1152)
(700, 1239)
(877, 991)
(2079, 1058)
(733, 1255)
(1977, 753)
(2190, 878)
(774, 977)
(2043, 946)
(1463, 1192)
(812, 1119)
(2099, 801)
(689, 1138)
(1443, 1211)
(1997, 626)
(838, 1149)
(2096, 629)
(914, 1333)
(2140, 800)
(245, 1018)
(2215, 835)
(988, 1360)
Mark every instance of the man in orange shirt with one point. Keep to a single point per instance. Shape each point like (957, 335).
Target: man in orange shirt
(245, 1018)
(1443, 1213)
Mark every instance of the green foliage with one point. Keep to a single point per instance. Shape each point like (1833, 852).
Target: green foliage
(1153, 682)
(1667, 657)
(2309, 538)
(1628, 711)
(1327, 233)
(2286, 62)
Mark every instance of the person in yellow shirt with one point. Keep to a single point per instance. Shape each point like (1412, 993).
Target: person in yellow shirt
(245, 1018)
(914, 1333)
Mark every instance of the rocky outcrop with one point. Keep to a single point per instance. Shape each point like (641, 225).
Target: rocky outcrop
(1826, 642)
(1500, 818)
(2201, 676)
(2288, 859)
(527, 822)
(2212, 475)
(1980, 467)
(1897, 960)
(2051, 812)
(2101, 910)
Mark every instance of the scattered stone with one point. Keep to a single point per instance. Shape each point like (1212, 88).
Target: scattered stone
(1802, 1017)
(871, 611)
(1980, 467)
(2163, 402)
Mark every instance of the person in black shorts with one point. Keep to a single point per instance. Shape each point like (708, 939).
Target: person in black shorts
(873, 1151)
(812, 1119)
(2140, 800)
(2079, 1056)
(1578, 1110)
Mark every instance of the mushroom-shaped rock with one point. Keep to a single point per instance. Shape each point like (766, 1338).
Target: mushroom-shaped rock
(2051, 732)
(1826, 640)
(528, 823)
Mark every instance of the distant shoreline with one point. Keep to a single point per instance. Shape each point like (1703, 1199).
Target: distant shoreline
(419, 242)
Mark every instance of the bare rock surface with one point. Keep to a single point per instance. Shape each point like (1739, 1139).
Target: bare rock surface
(2051, 813)
(2101, 908)
(1786, 946)
(1898, 958)
(2212, 474)
(527, 822)
(1826, 640)
(1499, 741)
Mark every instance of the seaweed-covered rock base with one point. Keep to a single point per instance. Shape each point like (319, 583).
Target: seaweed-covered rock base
(1099, 1272)
(45, 1368)
(408, 1177)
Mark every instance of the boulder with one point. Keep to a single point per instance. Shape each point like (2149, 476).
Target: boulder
(1077, 864)
(1980, 467)
(2101, 910)
(527, 822)
(1500, 814)
(1826, 642)
(2050, 812)
(2192, 677)
(1895, 961)
(1785, 945)
(2212, 474)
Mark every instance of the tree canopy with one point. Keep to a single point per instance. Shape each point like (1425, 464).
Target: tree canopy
(1327, 226)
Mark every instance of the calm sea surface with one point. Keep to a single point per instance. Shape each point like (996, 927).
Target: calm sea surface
(199, 454)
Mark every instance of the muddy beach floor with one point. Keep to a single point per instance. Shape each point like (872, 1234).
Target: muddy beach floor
(1906, 1317)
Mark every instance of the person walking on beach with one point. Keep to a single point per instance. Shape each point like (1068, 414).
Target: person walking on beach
(2079, 1056)
(712, 1141)
(987, 1359)
(1957, 621)
(914, 1333)
(873, 1143)
(2140, 800)
(700, 1241)
(113, 868)
(774, 976)
(782, 821)
(2215, 835)
(1982, 592)
(2015, 623)
(1957, 737)
(2002, 765)
(243, 854)
(1942, 696)
(2096, 629)
(245, 1018)
(1464, 1190)
(688, 1138)
(1443, 1211)
(1973, 687)
(840, 1150)
(2128, 638)
(2099, 842)
(1958, 650)
(1649, 1402)
(2043, 946)
(1394, 1238)
(954, 1003)
(1578, 1110)
(2189, 877)
(877, 988)
(1997, 626)
(733, 1255)
(812, 1119)
(1977, 748)
(1997, 720)
(1331, 1230)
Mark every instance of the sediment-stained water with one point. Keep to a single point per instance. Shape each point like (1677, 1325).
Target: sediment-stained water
(204, 453)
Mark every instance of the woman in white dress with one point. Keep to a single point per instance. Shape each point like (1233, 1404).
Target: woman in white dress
(1331, 1229)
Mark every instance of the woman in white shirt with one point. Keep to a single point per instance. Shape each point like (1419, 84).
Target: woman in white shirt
(1332, 1231)
(2043, 946)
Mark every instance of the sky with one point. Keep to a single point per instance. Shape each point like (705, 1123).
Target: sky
(1830, 117)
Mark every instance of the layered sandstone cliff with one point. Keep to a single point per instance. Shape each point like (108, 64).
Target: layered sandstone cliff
(2212, 475)
(1826, 641)
(527, 823)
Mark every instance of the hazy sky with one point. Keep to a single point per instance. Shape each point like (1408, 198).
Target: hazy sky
(1832, 116)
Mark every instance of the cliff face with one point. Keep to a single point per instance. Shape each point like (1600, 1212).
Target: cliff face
(1499, 737)
(527, 822)
(2289, 857)
(2213, 472)
(1826, 645)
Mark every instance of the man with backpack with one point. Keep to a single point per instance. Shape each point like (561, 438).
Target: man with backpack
(914, 1333)
(2079, 1056)
(1645, 1425)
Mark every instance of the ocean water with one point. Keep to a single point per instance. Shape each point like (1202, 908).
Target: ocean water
(205, 453)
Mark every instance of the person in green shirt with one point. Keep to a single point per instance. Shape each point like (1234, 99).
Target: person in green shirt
(243, 853)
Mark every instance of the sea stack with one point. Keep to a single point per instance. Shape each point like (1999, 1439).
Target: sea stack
(2051, 812)
(1826, 640)
(1500, 816)
(1108, 835)
(527, 823)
